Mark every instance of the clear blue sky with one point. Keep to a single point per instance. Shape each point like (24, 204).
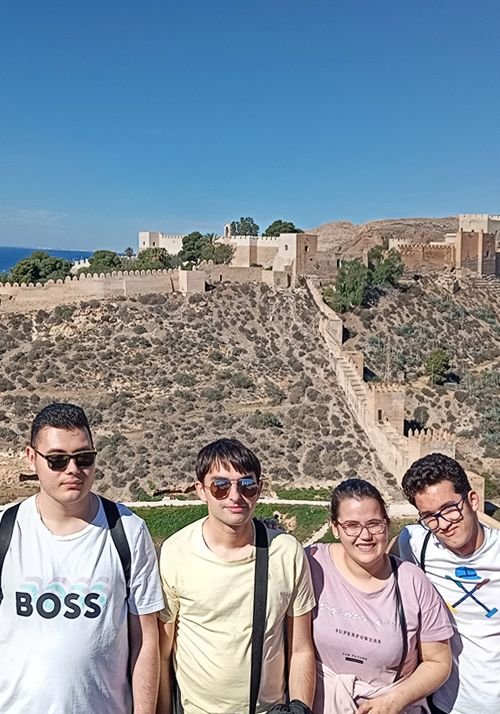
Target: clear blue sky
(179, 115)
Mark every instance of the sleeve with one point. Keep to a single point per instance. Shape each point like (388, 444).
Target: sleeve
(408, 547)
(170, 594)
(145, 588)
(435, 623)
(302, 600)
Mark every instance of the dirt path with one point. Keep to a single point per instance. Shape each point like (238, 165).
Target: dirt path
(396, 510)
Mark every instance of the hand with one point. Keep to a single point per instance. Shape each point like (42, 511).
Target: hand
(385, 704)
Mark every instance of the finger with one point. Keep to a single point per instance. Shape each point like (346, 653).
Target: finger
(364, 708)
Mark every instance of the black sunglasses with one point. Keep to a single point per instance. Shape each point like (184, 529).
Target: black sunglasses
(247, 486)
(58, 462)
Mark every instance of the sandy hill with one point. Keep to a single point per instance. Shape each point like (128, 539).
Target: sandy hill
(162, 375)
(397, 335)
(352, 239)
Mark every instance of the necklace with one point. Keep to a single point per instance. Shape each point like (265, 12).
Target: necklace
(87, 517)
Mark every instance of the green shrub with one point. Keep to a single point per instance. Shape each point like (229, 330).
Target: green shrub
(263, 420)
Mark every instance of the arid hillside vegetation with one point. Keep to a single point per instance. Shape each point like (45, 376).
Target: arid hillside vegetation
(162, 375)
(352, 239)
(397, 336)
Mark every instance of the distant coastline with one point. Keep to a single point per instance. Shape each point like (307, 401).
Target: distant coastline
(10, 255)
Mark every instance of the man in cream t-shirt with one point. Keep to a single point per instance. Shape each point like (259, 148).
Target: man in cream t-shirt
(207, 571)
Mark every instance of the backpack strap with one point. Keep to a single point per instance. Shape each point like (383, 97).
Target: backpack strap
(119, 538)
(424, 550)
(259, 610)
(401, 616)
(6, 529)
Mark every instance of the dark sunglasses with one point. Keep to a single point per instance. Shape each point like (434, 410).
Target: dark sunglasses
(220, 487)
(58, 462)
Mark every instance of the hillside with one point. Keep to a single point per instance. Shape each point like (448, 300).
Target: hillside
(352, 239)
(162, 375)
(398, 333)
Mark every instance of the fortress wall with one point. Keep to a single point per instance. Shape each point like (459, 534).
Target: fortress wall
(335, 325)
(324, 266)
(259, 241)
(192, 281)
(425, 256)
(489, 266)
(17, 298)
(479, 222)
(276, 278)
(154, 239)
(172, 244)
(398, 242)
(428, 441)
(390, 448)
(477, 484)
(386, 403)
(468, 249)
(358, 360)
(306, 252)
(379, 408)
(265, 254)
(232, 274)
(244, 256)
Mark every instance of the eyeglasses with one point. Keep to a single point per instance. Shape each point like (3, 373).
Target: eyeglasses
(58, 462)
(353, 529)
(449, 514)
(220, 487)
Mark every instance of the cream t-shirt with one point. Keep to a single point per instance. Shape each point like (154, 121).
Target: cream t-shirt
(211, 601)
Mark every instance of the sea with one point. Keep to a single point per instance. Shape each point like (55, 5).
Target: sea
(9, 256)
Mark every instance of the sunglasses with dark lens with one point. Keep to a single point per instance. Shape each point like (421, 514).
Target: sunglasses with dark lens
(247, 487)
(59, 462)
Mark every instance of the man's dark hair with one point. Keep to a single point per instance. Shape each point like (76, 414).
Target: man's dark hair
(355, 488)
(227, 452)
(59, 416)
(432, 469)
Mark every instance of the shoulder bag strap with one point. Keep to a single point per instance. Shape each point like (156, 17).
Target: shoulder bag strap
(259, 610)
(424, 550)
(6, 529)
(401, 616)
(119, 538)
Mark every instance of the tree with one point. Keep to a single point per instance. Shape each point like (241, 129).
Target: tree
(281, 226)
(39, 268)
(217, 252)
(197, 247)
(223, 253)
(207, 248)
(244, 227)
(437, 365)
(351, 285)
(103, 261)
(154, 259)
(192, 247)
(128, 252)
(385, 267)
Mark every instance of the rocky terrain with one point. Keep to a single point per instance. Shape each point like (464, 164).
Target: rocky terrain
(397, 335)
(162, 375)
(351, 239)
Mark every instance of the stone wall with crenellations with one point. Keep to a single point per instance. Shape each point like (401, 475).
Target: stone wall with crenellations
(378, 407)
(17, 298)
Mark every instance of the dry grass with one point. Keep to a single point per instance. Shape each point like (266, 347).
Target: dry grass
(161, 376)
